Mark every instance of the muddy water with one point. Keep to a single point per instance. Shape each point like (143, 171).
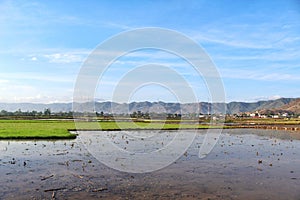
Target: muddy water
(245, 164)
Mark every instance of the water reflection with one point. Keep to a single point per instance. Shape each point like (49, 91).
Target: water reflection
(245, 163)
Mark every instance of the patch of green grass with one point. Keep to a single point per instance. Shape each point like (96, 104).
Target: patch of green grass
(36, 134)
(59, 129)
(35, 129)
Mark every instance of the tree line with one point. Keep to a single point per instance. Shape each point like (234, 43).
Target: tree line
(35, 114)
(48, 114)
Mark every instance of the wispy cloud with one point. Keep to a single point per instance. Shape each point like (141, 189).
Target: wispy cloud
(261, 35)
(261, 98)
(229, 41)
(39, 98)
(258, 75)
(32, 14)
(118, 25)
(13, 78)
(17, 91)
(64, 57)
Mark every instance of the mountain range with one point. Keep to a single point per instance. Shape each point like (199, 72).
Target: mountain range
(282, 104)
(291, 107)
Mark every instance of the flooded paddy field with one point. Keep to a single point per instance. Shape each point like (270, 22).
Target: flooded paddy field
(244, 164)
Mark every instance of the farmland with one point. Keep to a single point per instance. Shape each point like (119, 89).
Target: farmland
(59, 129)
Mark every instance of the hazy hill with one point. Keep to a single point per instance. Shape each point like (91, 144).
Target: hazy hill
(161, 107)
(293, 106)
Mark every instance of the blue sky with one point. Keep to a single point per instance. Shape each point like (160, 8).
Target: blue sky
(254, 44)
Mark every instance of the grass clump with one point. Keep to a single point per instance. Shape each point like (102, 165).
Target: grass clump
(35, 129)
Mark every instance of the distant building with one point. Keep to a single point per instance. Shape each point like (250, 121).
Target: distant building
(202, 116)
(256, 114)
(252, 114)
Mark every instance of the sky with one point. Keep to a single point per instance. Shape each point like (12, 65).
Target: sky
(255, 46)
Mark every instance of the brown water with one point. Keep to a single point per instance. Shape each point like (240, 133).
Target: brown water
(66, 170)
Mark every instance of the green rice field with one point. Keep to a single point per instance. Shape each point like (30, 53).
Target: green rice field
(60, 129)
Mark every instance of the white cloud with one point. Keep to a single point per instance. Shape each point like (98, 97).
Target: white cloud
(259, 36)
(261, 98)
(117, 25)
(39, 98)
(53, 55)
(16, 77)
(275, 97)
(19, 93)
(64, 57)
(257, 75)
(10, 89)
(3, 81)
(34, 58)
(229, 41)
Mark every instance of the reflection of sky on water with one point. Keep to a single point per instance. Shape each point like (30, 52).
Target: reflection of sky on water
(233, 163)
(128, 151)
(238, 143)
